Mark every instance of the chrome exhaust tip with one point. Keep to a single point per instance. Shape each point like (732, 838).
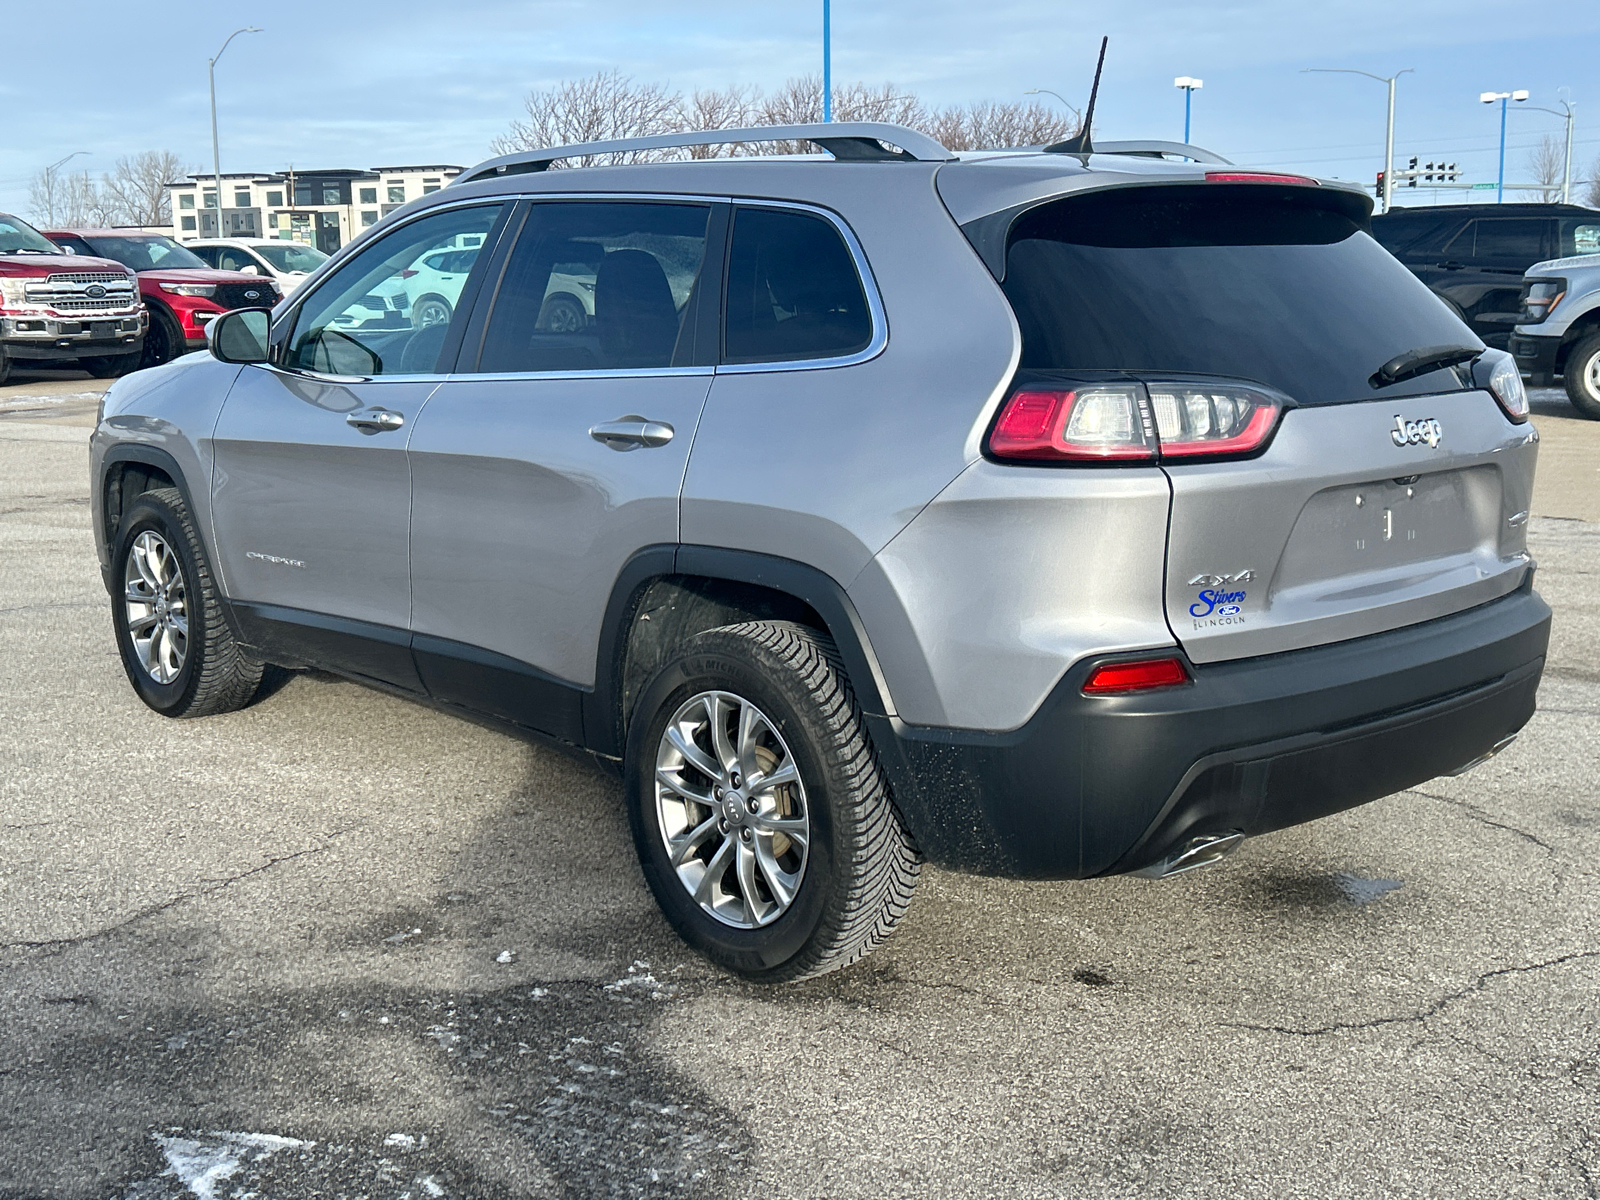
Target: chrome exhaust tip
(1485, 757)
(1197, 852)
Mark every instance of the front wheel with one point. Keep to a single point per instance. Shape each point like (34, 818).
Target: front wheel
(762, 823)
(111, 366)
(176, 647)
(428, 311)
(163, 341)
(1582, 377)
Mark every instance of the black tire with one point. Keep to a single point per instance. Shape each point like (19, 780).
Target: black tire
(163, 341)
(430, 311)
(1581, 374)
(861, 866)
(5, 368)
(562, 314)
(111, 367)
(215, 676)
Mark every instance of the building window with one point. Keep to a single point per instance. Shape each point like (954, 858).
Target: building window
(429, 187)
(397, 193)
(330, 193)
(369, 195)
(210, 200)
(275, 199)
(241, 199)
(188, 223)
(186, 200)
(369, 218)
(435, 179)
(272, 220)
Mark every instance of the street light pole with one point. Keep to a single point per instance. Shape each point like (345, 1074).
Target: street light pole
(1188, 85)
(216, 154)
(1566, 165)
(827, 63)
(1489, 98)
(1388, 134)
(50, 181)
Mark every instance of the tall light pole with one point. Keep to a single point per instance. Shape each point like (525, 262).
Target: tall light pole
(50, 181)
(1489, 98)
(1189, 87)
(827, 63)
(1388, 136)
(216, 154)
(1566, 169)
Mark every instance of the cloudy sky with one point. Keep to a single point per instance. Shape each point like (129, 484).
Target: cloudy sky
(332, 83)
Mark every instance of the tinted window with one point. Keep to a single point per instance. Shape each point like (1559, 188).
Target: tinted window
(144, 252)
(361, 321)
(598, 286)
(210, 255)
(1419, 235)
(1266, 284)
(1514, 241)
(793, 291)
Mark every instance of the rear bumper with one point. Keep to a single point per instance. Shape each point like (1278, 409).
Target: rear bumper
(1103, 785)
(1536, 357)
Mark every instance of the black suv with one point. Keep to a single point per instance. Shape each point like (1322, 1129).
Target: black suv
(1473, 255)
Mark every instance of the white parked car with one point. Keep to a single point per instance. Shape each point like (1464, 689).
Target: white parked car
(287, 262)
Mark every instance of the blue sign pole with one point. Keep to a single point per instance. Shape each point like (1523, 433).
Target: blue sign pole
(827, 65)
(1500, 188)
(1188, 99)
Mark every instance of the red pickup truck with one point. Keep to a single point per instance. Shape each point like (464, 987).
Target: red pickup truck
(67, 310)
(182, 292)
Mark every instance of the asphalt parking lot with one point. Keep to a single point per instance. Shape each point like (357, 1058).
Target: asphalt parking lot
(337, 944)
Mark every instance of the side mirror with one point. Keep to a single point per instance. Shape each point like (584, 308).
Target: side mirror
(240, 336)
(249, 269)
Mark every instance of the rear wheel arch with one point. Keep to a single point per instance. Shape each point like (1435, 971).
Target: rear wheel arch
(665, 595)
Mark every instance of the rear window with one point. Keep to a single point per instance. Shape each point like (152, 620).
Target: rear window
(1277, 285)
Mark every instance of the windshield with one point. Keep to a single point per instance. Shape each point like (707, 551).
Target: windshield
(1278, 285)
(291, 256)
(144, 252)
(18, 235)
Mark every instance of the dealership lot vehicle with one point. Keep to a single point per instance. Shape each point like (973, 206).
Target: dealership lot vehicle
(181, 293)
(1559, 329)
(286, 263)
(897, 508)
(60, 310)
(1473, 255)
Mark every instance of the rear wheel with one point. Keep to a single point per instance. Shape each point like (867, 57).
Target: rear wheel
(562, 314)
(428, 311)
(176, 647)
(1582, 376)
(762, 823)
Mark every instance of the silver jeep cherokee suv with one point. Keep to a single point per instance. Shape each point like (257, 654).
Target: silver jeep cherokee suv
(1038, 514)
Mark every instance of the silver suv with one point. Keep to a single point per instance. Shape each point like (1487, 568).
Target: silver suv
(1037, 514)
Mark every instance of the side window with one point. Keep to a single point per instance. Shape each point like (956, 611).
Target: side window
(1579, 236)
(596, 285)
(371, 316)
(210, 255)
(793, 290)
(1514, 241)
(236, 260)
(1459, 248)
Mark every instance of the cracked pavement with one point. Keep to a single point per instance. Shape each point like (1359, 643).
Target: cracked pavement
(340, 944)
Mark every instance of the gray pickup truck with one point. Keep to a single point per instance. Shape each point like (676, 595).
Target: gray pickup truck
(1558, 331)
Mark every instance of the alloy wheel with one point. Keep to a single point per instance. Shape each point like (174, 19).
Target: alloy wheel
(732, 809)
(156, 603)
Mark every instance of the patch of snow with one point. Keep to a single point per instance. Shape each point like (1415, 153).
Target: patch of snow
(402, 1141)
(505, 956)
(203, 1163)
(640, 981)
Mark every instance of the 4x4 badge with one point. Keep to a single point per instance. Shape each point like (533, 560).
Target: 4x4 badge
(1414, 433)
(1216, 581)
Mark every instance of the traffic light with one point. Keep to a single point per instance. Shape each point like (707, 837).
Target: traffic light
(1411, 172)
(1378, 187)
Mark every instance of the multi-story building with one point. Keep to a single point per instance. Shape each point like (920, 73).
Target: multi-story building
(324, 209)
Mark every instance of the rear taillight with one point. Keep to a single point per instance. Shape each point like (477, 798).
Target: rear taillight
(407, 273)
(1141, 676)
(1498, 371)
(1091, 424)
(1134, 422)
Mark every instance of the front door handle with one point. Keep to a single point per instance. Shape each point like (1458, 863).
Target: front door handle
(631, 432)
(375, 420)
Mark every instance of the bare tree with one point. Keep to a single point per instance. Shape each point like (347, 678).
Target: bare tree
(1592, 196)
(730, 108)
(138, 187)
(603, 107)
(991, 126)
(1545, 163)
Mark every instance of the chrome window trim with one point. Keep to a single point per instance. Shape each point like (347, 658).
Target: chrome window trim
(869, 285)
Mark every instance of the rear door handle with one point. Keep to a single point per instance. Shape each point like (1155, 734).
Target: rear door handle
(631, 432)
(375, 420)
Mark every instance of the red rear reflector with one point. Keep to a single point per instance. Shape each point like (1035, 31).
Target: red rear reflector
(1138, 676)
(407, 274)
(1260, 177)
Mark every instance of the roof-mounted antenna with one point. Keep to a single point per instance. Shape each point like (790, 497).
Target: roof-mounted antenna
(1079, 143)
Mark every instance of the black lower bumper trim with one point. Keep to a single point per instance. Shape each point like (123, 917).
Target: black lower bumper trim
(126, 344)
(1101, 785)
(1536, 357)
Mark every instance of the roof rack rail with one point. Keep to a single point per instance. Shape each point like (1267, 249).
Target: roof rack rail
(856, 141)
(1162, 150)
